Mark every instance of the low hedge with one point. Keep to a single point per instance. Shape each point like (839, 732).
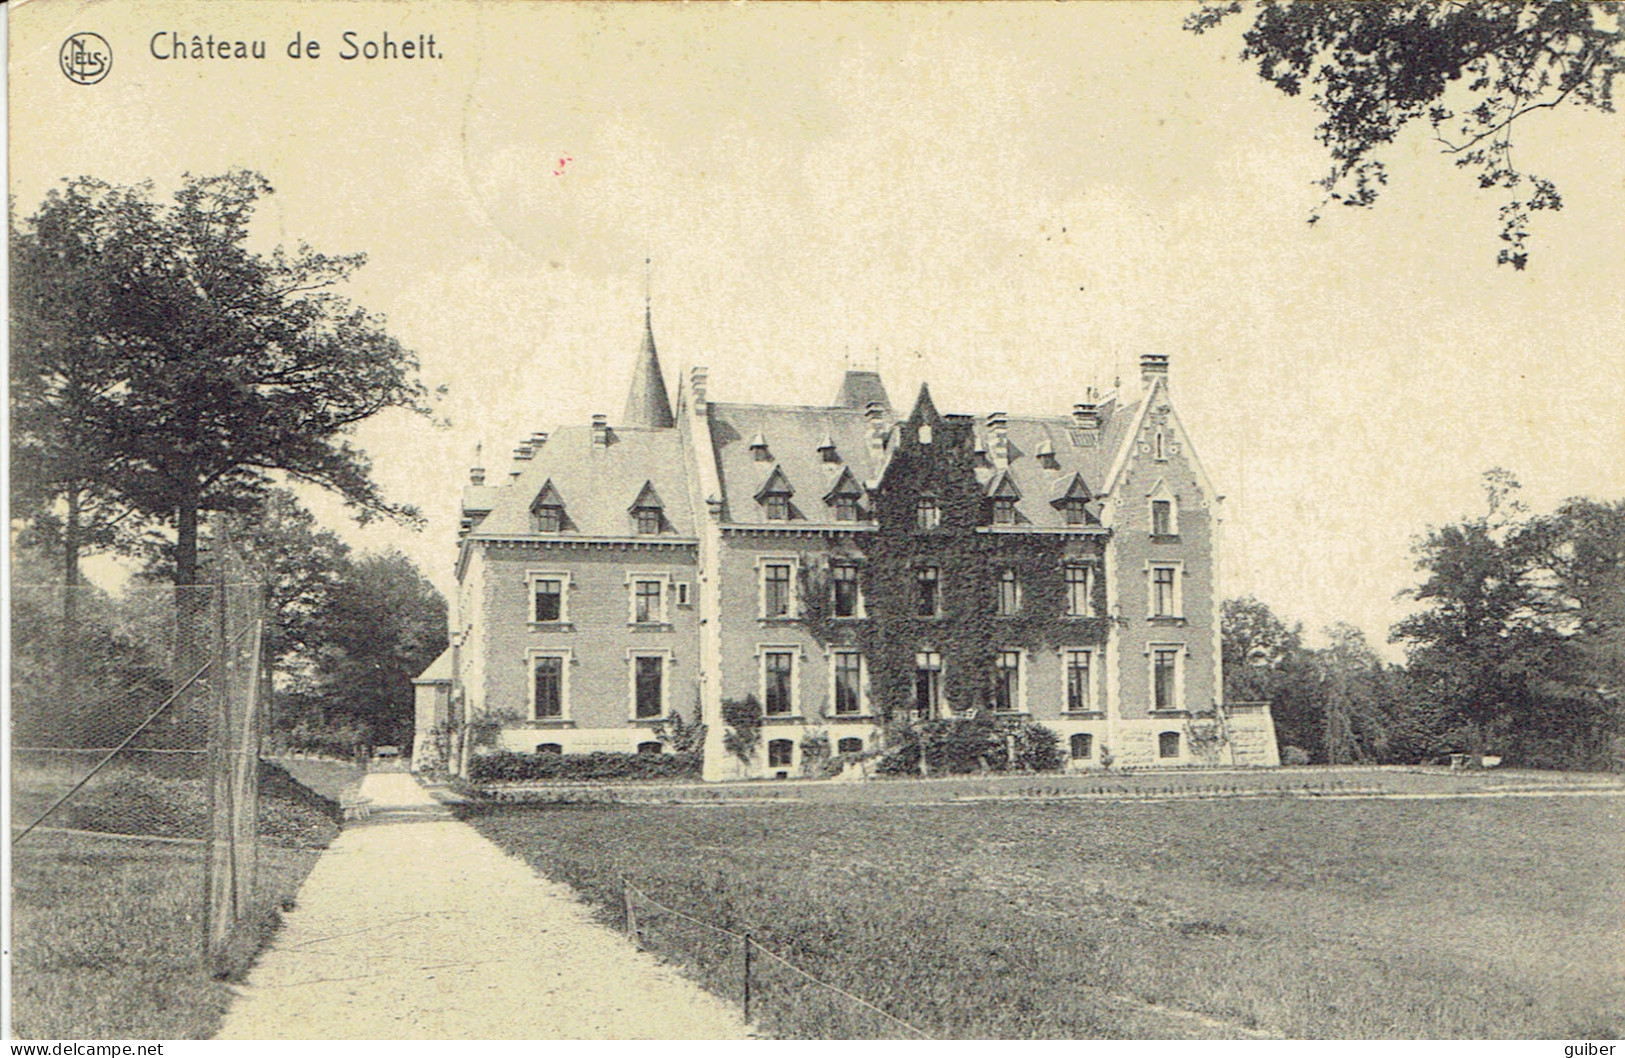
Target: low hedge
(582, 767)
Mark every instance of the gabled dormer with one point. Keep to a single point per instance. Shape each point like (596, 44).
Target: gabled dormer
(547, 511)
(826, 450)
(648, 512)
(1002, 496)
(843, 496)
(774, 496)
(1072, 499)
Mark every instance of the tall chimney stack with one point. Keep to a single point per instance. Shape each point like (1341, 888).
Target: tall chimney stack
(600, 431)
(1153, 366)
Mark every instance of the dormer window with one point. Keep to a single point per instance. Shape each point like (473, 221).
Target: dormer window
(843, 497)
(1002, 496)
(547, 510)
(648, 511)
(1072, 500)
(774, 496)
(758, 448)
(826, 450)
(1046, 455)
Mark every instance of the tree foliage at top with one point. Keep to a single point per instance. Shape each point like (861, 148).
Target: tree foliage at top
(163, 362)
(1471, 70)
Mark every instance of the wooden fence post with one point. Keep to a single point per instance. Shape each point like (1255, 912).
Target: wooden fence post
(747, 978)
(631, 915)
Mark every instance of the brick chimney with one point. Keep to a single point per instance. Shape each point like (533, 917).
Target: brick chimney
(697, 379)
(1153, 366)
(998, 434)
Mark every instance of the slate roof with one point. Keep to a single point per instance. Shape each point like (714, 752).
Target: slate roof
(646, 402)
(1040, 482)
(598, 485)
(794, 434)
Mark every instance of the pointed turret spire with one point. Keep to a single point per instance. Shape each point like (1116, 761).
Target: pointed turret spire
(647, 404)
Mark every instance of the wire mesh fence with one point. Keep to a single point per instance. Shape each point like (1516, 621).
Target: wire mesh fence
(774, 992)
(136, 718)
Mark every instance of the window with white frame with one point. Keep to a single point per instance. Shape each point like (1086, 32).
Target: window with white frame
(549, 596)
(550, 685)
(928, 684)
(1007, 682)
(1009, 593)
(649, 684)
(844, 590)
(1166, 591)
(847, 669)
(648, 597)
(1167, 676)
(778, 589)
(779, 681)
(1080, 590)
(1080, 689)
(1164, 510)
(1162, 517)
(927, 515)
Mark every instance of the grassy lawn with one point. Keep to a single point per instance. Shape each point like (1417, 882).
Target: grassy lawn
(1295, 918)
(106, 937)
(105, 933)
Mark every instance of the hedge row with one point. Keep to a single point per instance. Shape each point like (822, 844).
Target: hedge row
(555, 767)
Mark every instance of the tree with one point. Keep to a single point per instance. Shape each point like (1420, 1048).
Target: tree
(1350, 675)
(383, 624)
(1472, 70)
(213, 366)
(1519, 644)
(1470, 643)
(1265, 661)
(300, 563)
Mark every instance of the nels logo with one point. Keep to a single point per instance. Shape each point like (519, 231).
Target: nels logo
(85, 58)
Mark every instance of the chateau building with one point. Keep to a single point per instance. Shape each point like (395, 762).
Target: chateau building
(843, 564)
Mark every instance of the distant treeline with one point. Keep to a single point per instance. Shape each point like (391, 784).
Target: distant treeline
(1517, 650)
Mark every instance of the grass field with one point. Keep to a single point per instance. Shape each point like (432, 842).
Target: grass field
(1293, 918)
(105, 932)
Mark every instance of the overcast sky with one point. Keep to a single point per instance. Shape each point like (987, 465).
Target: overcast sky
(1010, 202)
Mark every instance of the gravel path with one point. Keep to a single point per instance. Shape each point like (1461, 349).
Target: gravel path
(412, 926)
